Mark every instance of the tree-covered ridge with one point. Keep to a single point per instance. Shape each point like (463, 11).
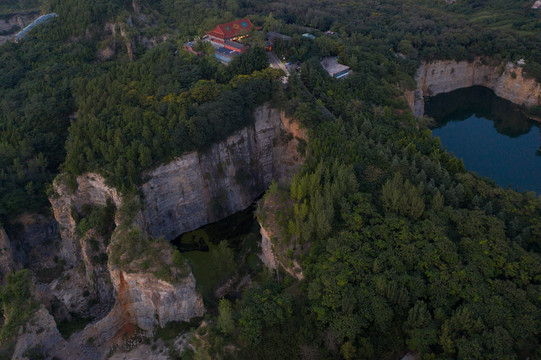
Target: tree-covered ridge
(413, 252)
(12, 6)
(139, 114)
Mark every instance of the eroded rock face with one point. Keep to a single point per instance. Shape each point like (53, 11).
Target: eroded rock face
(142, 302)
(507, 81)
(272, 260)
(41, 338)
(84, 287)
(6, 256)
(127, 302)
(200, 188)
(91, 189)
(152, 302)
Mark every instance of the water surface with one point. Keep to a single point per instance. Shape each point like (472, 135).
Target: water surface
(492, 136)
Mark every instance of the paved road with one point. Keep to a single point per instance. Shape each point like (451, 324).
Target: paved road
(276, 63)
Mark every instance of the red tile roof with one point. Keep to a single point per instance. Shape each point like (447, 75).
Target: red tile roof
(232, 29)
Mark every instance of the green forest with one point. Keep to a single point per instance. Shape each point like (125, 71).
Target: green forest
(402, 248)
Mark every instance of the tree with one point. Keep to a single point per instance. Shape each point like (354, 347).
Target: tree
(224, 260)
(253, 59)
(225, 324)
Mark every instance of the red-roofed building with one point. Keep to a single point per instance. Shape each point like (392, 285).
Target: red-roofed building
(225, 34)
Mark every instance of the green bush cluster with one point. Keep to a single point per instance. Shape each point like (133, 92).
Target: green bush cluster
(99, 218)
(18, 307)
(134, 251)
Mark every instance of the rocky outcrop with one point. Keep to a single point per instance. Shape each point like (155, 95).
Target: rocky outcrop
(7, 264)
(272, 260)
(142, 302)
(199, 188)
(127, 302)
(40, 339)
(267, 255)
(152, 302)
(507, 81)
(84, 287)
(91, 189)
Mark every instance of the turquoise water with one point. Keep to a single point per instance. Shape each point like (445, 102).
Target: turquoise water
(492, 136)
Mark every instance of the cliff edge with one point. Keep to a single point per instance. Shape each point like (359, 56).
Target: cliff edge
(507, 81)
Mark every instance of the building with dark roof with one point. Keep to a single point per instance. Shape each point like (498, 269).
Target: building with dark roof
(225, 55)
(334, 68)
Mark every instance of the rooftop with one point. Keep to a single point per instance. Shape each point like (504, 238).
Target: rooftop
(232, 29)
(332, 66)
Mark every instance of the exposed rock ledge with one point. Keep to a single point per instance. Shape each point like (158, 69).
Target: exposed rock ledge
(141, 300)
(6, 256)
(201, 188)
(507, 81)
(272, 261)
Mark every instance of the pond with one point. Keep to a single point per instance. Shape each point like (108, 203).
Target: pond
(240, 230)
(492, 135)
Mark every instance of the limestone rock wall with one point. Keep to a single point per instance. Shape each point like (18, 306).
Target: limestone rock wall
(273, 260)
(199, 188)
(137, 300)
(507, 81)
(42, 336)
(91, 189)
(84, 288)
(152, 302)
(6, 256)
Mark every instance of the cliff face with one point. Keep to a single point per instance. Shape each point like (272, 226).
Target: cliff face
(126, 301)
(6, 256)
(200, 188)
(272, 260)
(151, 302)
(506, 81)
(41, 335)
(91, 189)
(85, 287)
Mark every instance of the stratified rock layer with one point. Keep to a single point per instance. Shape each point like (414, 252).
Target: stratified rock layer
(6, 256)
(507, 81)
(200, 188)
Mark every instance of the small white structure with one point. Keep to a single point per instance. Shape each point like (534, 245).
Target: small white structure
(521, 62)
(335, 69)
(537, 5)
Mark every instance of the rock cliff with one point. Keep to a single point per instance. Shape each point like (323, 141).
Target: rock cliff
(507, 81)
(84, 287)
(141, 300)
(6, 256)
(272, 260)
(200, 188)
(41, 340)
